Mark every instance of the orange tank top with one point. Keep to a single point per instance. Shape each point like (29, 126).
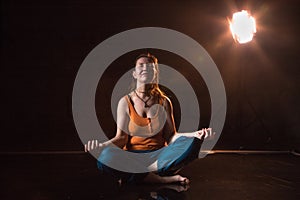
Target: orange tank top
(145, 133)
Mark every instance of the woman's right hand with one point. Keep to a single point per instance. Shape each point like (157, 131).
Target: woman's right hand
(92, 145)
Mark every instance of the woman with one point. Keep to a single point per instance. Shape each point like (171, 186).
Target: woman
(145, 124)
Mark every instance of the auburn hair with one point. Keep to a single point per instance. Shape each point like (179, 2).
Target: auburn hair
(155, 90)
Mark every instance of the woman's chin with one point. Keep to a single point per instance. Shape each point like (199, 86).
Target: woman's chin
(146, 80)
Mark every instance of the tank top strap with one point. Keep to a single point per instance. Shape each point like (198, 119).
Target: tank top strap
(133, 114)
(130, 103)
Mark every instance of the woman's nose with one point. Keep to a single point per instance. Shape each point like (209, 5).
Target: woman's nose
(144, 66)
(147, 66)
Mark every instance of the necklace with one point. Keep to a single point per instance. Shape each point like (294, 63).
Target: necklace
(145, 102)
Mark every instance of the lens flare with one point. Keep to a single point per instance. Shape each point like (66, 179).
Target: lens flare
(242, 26)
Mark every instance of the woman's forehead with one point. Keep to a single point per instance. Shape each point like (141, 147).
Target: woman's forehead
(144, 60)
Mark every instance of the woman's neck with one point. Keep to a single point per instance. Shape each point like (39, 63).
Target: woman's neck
(143, 89)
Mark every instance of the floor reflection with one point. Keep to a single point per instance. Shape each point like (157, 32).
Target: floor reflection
(154, 192)
(100, 188)
(74, 177)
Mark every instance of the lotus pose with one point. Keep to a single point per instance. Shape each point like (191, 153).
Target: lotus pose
(145, 123)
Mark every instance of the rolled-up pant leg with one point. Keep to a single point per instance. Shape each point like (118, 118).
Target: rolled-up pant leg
(188, 150)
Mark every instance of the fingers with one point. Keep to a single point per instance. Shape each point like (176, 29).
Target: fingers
(91, 145)
(211, 134)
(201, 134)
(206, 133)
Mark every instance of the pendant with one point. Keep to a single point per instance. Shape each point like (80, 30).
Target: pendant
(150, 127)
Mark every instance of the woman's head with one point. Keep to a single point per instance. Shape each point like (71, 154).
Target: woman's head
(146, 72)
(146, 69)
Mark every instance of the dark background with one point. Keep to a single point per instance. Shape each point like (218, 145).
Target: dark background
(43, 44)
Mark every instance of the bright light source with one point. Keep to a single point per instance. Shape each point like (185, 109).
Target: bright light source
(242, 26)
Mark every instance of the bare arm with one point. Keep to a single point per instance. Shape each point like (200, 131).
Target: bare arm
(170, 130)
(121, 136)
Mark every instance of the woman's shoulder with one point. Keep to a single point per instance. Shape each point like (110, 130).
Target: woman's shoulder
(165, 100)
(123, 101)
(123, 104)
(126, 99)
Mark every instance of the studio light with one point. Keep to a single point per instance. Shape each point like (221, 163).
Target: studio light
(242, 26)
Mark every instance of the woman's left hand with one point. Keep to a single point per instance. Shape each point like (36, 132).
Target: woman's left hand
(205, 133)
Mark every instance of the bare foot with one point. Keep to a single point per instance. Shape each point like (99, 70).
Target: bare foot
(120, 182)
(176, 187)
(154, 178)
(181, 180)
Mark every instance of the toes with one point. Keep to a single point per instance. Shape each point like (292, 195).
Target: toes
(185, 181)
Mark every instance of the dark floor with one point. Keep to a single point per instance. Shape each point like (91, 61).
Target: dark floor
(218, 176)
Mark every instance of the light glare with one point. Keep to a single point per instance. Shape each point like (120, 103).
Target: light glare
(242, 26)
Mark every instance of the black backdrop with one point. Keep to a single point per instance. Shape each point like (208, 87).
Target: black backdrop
(43, 44)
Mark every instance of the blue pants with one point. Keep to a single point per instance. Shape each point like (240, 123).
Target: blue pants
(166, 158)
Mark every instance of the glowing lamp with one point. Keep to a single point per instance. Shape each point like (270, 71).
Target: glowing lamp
(242, 26)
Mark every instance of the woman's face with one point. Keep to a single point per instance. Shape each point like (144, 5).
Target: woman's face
(144, 70)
